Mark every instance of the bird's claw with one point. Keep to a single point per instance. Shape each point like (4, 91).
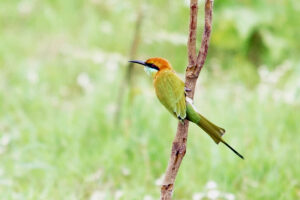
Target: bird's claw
(180, 119)
(187, 89)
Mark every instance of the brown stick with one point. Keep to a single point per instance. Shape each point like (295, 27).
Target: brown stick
(127, 80)
(192, 72)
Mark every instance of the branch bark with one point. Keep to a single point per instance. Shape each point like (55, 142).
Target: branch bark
(192, 72)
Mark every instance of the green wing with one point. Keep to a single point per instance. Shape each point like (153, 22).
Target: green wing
(170, 92)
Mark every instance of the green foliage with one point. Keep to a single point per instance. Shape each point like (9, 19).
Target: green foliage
(61, 63)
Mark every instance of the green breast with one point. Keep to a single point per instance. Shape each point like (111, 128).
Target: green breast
(170, 92)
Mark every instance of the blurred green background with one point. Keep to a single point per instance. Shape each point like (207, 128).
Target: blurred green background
(61, 66)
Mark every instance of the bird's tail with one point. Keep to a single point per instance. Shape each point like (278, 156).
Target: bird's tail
(211, 129)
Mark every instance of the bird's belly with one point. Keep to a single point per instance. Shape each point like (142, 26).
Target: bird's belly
(162, 96)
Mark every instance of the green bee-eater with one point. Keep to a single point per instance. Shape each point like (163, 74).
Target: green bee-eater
(170, 90)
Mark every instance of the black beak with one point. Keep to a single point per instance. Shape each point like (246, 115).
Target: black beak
(144, 63)
(138, 62)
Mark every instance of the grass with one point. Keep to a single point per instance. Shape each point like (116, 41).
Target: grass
(59, 77)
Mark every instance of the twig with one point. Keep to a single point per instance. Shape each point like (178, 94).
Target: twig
(126, 82)
(192, 72)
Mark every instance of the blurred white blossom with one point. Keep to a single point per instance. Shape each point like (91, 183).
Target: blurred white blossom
(213, 194)
(97, 57)
(187, 3)
(273, 77)
(229, 196)
(83, 80)
(110, 60)
(289, 96)
(118, 194)
(268, 85)
(32, 76)
(5, 140)
(98, 195)
(112, 65)
(148, 197)
(25, 7)
(160, 180)
(211, 185)
(125, 171)
(198, 196)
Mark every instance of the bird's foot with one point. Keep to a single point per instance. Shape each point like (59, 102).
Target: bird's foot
(187, 89)
(180, 119)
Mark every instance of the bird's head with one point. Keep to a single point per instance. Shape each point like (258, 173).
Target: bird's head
(154, 65)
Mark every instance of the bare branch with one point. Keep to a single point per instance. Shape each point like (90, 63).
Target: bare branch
(127, 80)
(193, 33)
(177, 154)
(193, 72)
(206, 36)
(191, 76)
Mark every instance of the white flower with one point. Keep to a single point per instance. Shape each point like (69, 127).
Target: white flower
(289, 97)
(229, 196)
(160, 180)
(263, 91)
(148, 197)
(98, 195)
(25, 7)
(118, 194)
(5, 140)
(32, 76)
(272, 77)
(125, 171)
(198, 196)
(84, 82)
(112, 64)
(213, 194)
(97, 57)
(211, 185)
(187, 3)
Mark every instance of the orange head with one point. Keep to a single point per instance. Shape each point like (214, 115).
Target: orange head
(154, 65)
(160, 63)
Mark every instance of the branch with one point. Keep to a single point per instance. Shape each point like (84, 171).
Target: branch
(192, 72)
(126, 82)
(205, 37)
(193, 33)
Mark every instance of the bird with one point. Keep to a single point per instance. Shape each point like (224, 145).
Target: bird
(171, 92)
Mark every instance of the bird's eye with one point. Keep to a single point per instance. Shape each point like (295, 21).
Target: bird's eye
(152, 66)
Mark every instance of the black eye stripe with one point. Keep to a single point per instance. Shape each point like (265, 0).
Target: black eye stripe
(152, 66)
